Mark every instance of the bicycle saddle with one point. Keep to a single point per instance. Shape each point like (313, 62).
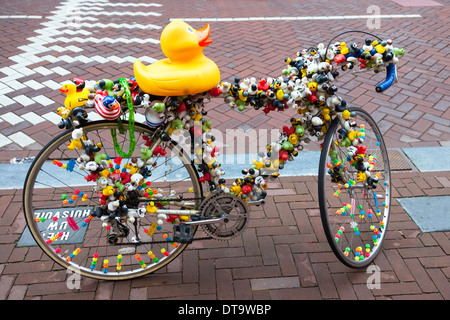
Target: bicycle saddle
(186, 70)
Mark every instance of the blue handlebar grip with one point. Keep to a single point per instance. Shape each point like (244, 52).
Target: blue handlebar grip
(390, 78)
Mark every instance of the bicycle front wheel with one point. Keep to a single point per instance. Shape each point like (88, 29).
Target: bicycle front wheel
(354, 188)
(62, 201)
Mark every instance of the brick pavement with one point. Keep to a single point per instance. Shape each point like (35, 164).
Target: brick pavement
(284, 253)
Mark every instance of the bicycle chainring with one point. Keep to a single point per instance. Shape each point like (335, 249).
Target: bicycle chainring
(233, 211)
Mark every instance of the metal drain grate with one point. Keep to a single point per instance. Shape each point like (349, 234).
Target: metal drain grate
(398, 162)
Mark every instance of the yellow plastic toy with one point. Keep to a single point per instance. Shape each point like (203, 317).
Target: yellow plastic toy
(344, 48)
(151, 208)
(74, 98)
(108, 191)
(186, 70)
(75, 144)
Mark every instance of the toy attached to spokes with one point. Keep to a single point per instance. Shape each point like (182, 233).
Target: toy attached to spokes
(143, 197)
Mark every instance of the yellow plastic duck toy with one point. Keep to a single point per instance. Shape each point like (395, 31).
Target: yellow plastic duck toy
(151, 208)
(186, 70)
(344, 48)
(74, 98)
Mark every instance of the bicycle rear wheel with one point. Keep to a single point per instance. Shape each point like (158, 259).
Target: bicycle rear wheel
(354, 188)
(60, 206)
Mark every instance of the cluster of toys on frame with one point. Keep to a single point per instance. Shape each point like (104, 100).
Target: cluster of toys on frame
(173, 93)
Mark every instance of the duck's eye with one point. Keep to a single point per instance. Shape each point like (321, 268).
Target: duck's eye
(190, 30)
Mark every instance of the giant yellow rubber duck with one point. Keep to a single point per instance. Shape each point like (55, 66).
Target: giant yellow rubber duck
(74, 98)
(185, 70)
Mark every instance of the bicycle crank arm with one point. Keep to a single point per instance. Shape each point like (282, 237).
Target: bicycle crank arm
(178, 203)
(257, 202)
(206, 221)
(178, 212)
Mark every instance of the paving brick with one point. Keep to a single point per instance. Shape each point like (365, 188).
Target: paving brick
(344, 287)
(421, 276)
(398, 265)
(274, 283)
(190, 266)
(305, 272)
(48, 289)
(443, 241)
(242, 289)
(256, 272)
(420, 252)
(403, 288)
(302, 220)
(138, 294)
(104, 291)
(436, 262)
(17, 293)
(325, 282)
(286, 261)
(224, 284)
(6, 283)
(295, 294)
(207, 283)
(250, 242)
(363, 293)
(174, 290)
(285, 213)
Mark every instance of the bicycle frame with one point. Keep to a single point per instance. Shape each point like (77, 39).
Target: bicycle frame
(315, 109)
(305, 86)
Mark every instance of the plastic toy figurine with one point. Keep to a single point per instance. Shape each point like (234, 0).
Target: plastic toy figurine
(104, 87)
(108, 107)
(74, 98)
(185, 70)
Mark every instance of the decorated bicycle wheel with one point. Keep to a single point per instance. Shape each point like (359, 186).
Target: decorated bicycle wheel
(354, 188)
(106, 216)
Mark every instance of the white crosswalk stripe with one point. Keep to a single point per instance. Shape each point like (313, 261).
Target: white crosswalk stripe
(21, 139)
(41, 46)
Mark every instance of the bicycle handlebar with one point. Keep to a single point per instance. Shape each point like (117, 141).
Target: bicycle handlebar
(391, 70)
(391, 77)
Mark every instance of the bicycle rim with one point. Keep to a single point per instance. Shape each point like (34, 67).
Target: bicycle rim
(354, 214)
(82, 237)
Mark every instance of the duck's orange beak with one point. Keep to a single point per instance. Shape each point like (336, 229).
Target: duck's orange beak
(202, 36)
(63, 90)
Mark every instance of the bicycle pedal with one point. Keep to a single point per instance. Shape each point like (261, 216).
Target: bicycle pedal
(183, 233)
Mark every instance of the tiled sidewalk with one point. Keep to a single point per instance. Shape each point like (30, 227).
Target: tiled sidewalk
(282, 255)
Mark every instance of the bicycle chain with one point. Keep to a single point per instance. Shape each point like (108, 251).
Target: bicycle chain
(165, 241)
(174, 199)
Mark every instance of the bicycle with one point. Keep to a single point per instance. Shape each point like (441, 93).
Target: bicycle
(122, 215)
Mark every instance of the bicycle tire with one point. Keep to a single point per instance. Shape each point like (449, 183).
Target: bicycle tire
(35, 190)
(360, 240)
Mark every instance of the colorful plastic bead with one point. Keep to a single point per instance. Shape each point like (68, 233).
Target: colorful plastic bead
(119, 262)
(94, 261)
(165, 252)
(105, 266)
